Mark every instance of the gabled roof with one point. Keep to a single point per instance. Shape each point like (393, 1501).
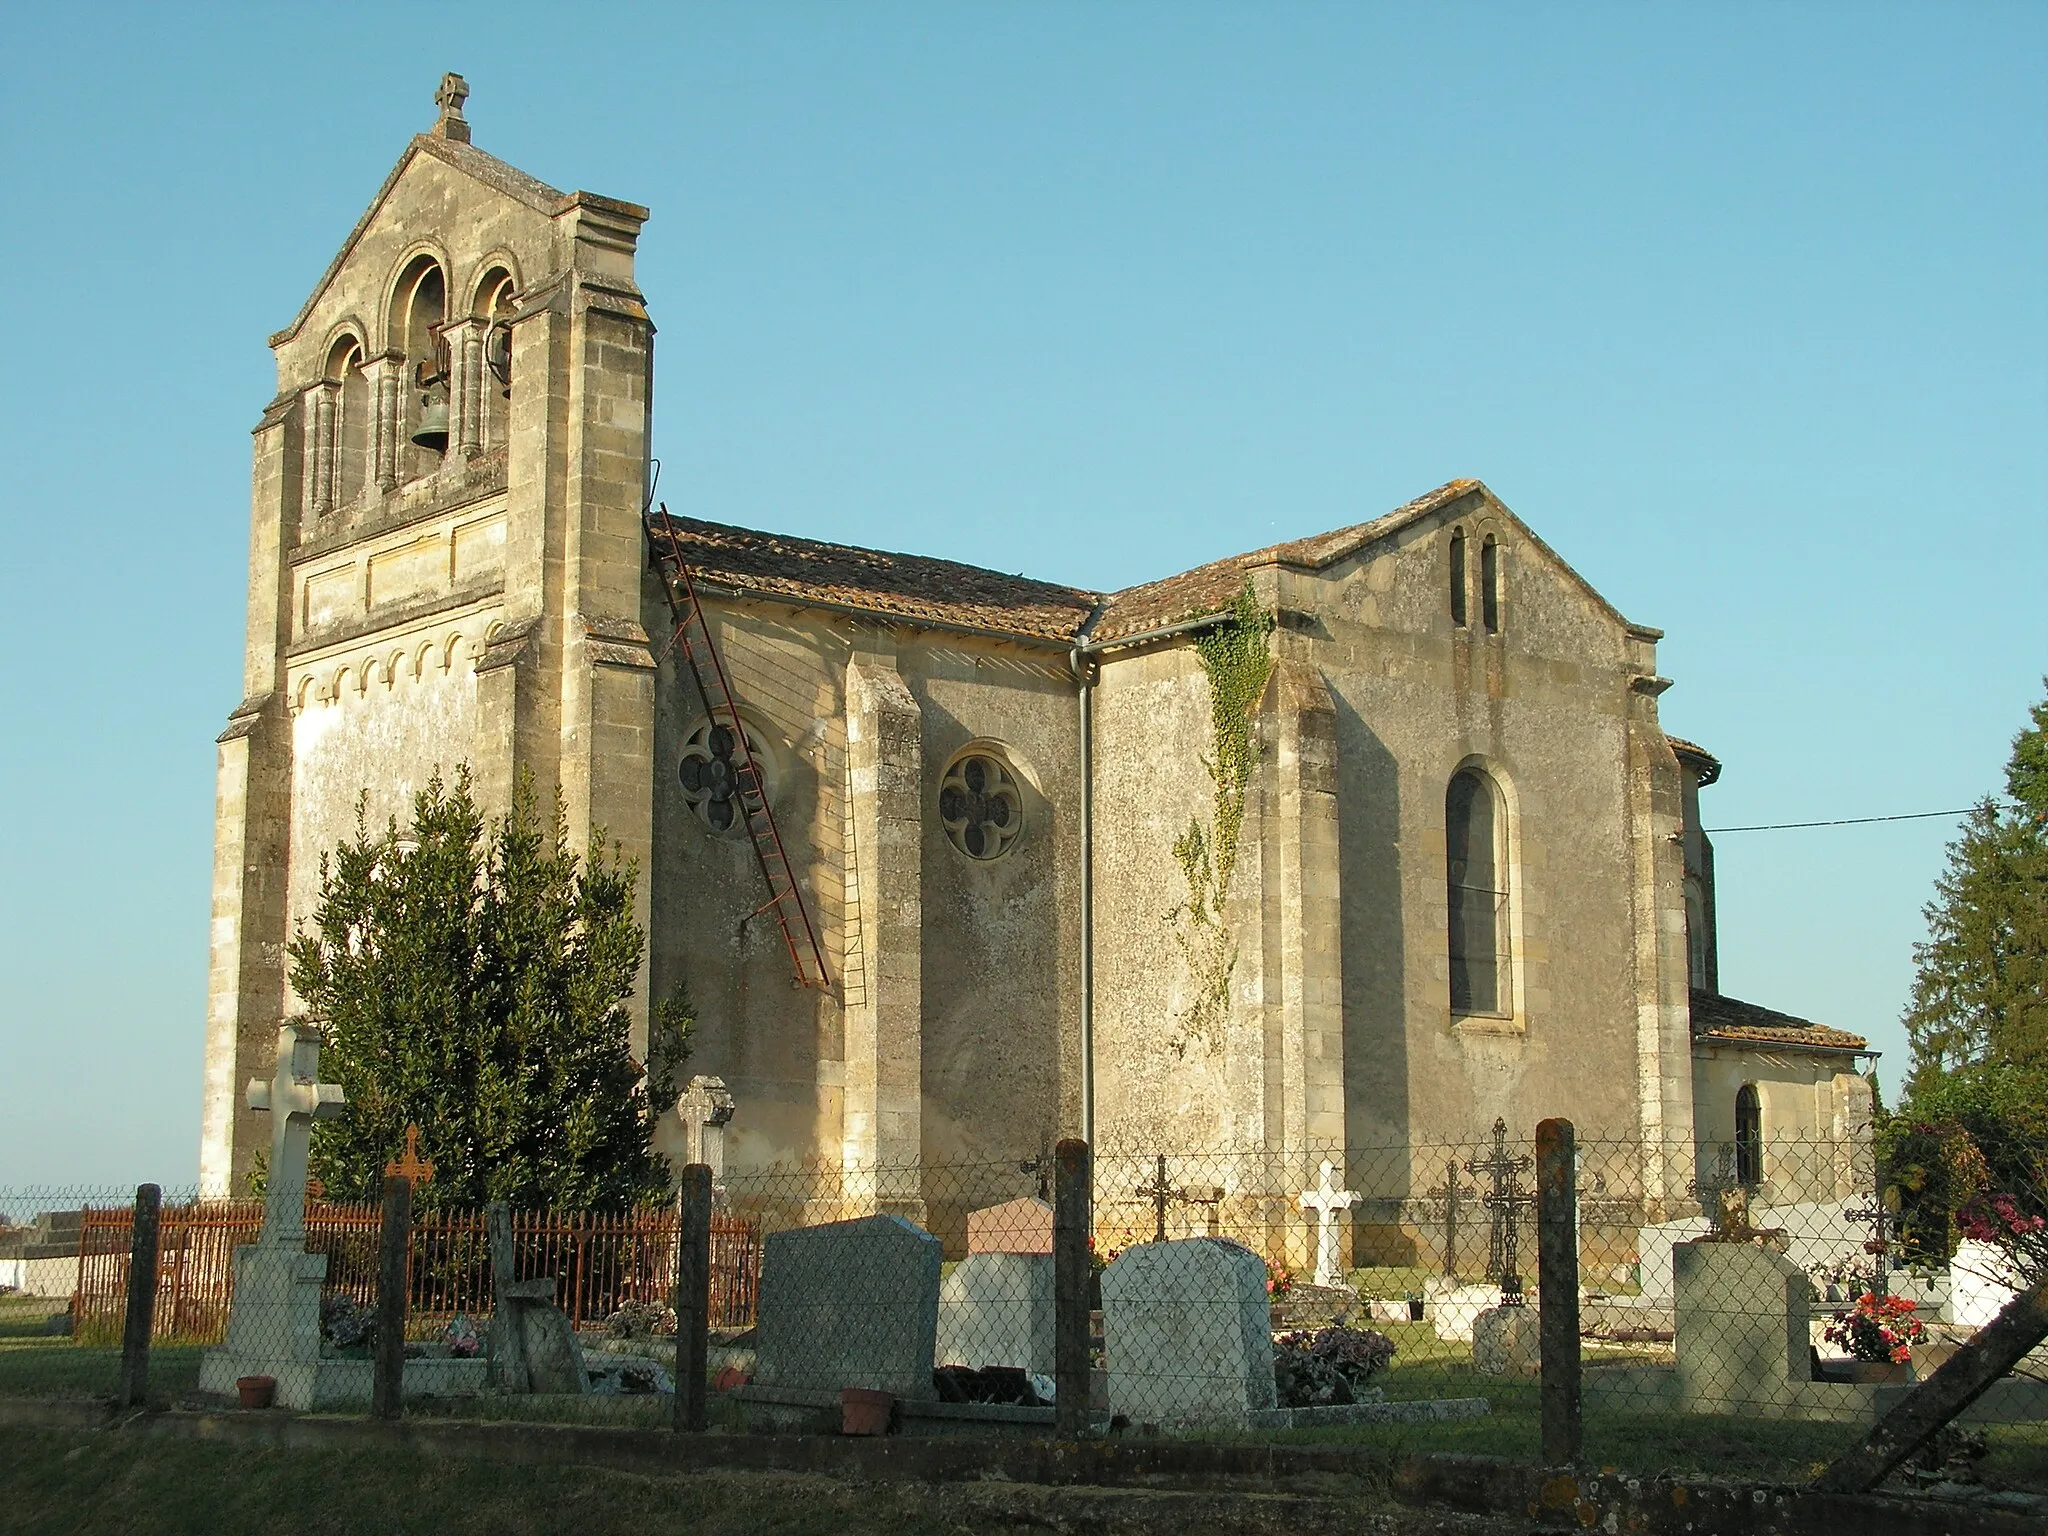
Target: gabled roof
(919, 588)
(1730, 1021)
(487, 170)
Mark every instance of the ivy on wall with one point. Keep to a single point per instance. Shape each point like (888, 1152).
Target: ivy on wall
(1237, 662)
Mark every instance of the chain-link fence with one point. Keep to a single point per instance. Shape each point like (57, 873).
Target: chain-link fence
(1753, 1308)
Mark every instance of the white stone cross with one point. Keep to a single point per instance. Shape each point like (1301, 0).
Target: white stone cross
(1326, 1200)
(295, 1098)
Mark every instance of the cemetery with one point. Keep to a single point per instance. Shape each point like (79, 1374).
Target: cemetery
(821, 1320)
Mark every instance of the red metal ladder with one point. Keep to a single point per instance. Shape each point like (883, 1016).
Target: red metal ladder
(693, 639)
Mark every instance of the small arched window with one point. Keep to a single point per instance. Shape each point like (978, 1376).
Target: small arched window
(1458, 577)
(350, 429)
(1749, 1137)
(1489, 585)
(1475, 839)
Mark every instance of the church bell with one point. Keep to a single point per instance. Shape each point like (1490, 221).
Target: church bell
(432, 431)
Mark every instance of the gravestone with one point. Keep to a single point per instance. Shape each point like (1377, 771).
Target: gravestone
(1982, 1280)
(1186, 1335)
(274, 1319)
(1741, 1314)
(533, 1346)
(1504, 1342)
(996, 1309)
(1016, 1226)
(1452, 1307)
(849, 1304)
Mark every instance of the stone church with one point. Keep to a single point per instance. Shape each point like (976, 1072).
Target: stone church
(953, 862)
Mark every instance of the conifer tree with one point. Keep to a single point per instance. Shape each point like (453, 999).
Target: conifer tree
(471, 978)
(1980, 994)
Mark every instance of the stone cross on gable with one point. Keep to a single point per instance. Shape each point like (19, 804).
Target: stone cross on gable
(294, 1097)
(449, 98)
(1326, 1200)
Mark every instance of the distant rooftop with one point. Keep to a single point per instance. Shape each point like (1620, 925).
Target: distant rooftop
(1729, 1019)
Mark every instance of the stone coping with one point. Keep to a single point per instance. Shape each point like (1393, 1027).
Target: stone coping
(1426, 1410)
(1561, 1497)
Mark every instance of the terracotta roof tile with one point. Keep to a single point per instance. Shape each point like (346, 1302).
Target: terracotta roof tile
(1210, 588)
(919, 588)
(913, 587)
(1715, 1017)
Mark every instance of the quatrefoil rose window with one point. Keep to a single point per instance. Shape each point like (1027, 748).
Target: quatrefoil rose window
(980, 806)
(721, 773)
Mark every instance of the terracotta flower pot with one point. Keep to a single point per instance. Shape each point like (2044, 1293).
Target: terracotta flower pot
(863, 1411)
(256, 1391)
(1875, 1372)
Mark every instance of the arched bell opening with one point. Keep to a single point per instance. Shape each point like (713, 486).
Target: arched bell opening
(491, 314)
(420, 312)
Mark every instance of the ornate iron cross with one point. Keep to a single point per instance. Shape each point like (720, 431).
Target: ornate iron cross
(1452, 1194)
(412, 1168)
(1161, 1194)
(1503, 1203)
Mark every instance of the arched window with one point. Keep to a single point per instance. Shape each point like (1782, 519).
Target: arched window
(1749, 1137)
(350, 429)
(1458, 577)
(1489, 585)
(1475, 839)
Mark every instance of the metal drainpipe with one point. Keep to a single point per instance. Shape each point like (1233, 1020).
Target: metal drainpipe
(1084, 680)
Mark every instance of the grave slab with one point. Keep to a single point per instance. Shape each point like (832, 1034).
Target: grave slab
(849, 1304)
(996, 1309)
(1015, 1226)
(1186, 1333)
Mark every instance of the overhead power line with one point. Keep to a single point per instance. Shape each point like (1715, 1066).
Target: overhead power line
(1846, 821)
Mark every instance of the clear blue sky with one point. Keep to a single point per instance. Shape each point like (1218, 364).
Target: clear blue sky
(1741, 306)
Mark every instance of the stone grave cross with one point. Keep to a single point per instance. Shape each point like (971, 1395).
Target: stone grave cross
(1452, 1194)
(705, 1106)
(1503, 1203)
(412, 1167)
(1326, 1200)
(1161, 1194)
(294, 1097)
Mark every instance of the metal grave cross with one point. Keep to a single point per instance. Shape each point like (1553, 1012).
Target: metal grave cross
(294, 1097)
(412, 1167)
(1161, 1194)
(1882, 1217)
(1452, 1193)
(1326, 1200)
(1503, 1204)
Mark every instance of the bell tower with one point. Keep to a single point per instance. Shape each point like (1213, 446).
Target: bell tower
(444, 560)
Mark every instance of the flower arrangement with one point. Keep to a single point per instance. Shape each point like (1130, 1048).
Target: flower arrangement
(1841, 1278)
(641, 1320)
(462, 1339)
(1100, 1259)
(1328, 1365)
(1997, 1219)
(346, 1323)
(1877, 1328)
(1279, 1280)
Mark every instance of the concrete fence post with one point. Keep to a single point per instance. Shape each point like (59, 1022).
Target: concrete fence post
(387, 1378)
(1072, 1225)
(142, 1276)
(1557, 1282)
(693, 1298)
